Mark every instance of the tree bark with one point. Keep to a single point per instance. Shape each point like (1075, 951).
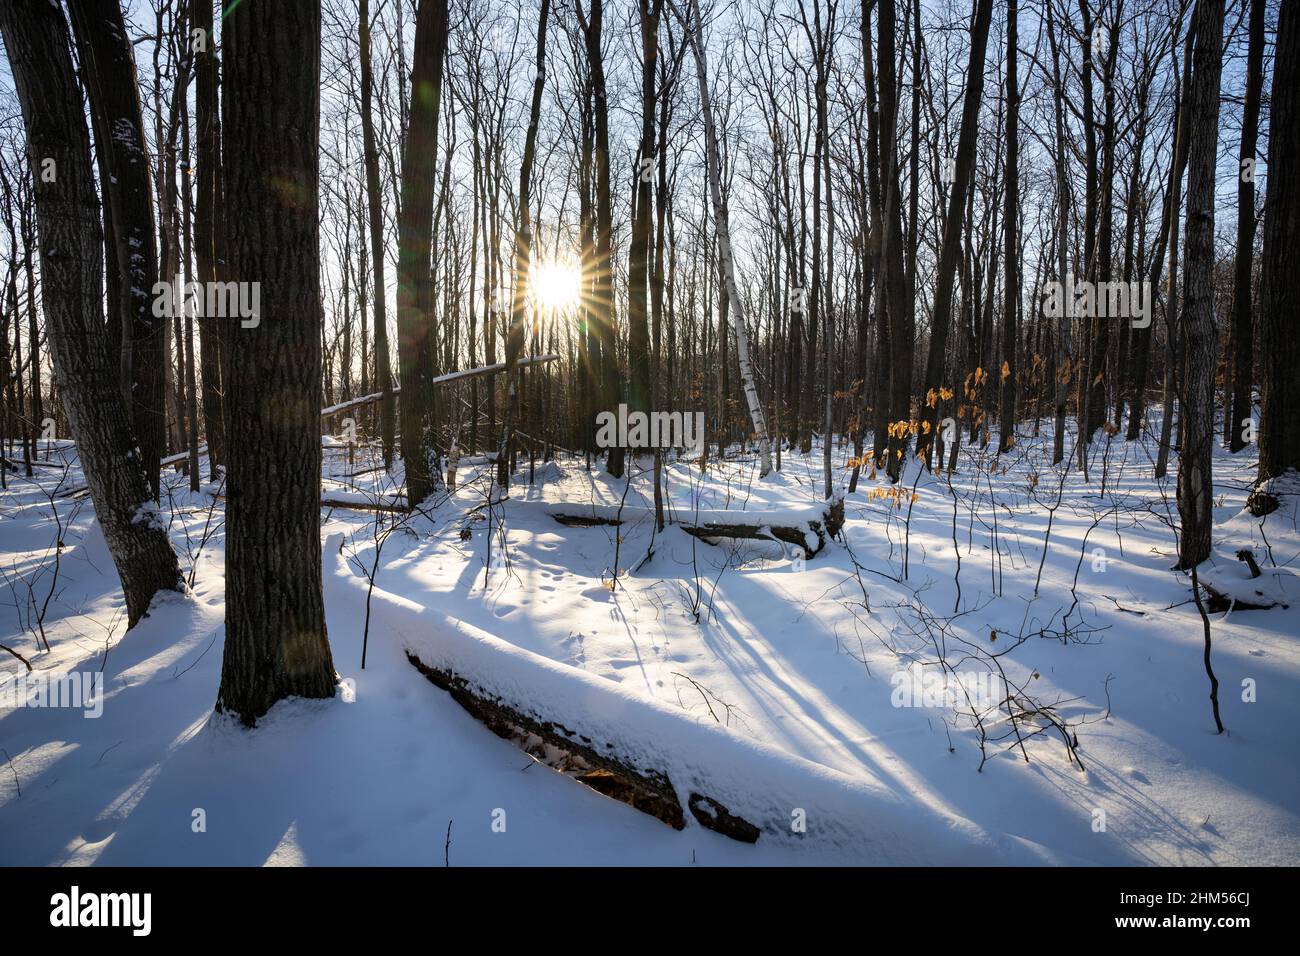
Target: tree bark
(1241, 343)
(37, 41)
(953, 221)
(1198, 337)
(694, 26)
(276, 641)
(416, 339)
(1010, 250)
(375, 208)
(108, 66)
(1279, 296)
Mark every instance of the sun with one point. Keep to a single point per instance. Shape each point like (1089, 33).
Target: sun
(555, 285)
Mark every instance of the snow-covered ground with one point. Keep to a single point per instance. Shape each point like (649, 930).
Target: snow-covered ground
(772, 682)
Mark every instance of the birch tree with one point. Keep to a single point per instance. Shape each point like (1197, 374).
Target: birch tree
(694, 27)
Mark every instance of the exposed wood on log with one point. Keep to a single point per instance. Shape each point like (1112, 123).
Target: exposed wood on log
(650, 791)
(714, 816)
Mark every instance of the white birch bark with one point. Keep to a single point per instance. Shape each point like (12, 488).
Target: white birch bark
(722, 224)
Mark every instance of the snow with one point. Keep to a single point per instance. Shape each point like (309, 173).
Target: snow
(764, 681)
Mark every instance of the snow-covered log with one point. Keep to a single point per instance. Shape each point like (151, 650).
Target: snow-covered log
(807, 528)
(437, 380)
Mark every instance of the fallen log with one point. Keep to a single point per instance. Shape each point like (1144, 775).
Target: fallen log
(650, 791)
(1228, 599)
(807, 532)
(1258, 592)
(391, 507)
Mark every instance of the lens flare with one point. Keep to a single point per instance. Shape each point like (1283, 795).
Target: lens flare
(555, 285)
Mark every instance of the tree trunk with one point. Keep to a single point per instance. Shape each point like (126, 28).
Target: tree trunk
(37, 41)
(276, 641)
(375, 207)
(205, 216)
(1279, 438)
(722, 225)
(603, 268)
(1241, 343)
(1010, 250)
(638, 327)
(416, 340)
(108, 66)
(1198, 337)
(523, 263)
(953, 221)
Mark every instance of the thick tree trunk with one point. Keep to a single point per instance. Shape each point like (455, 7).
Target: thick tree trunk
(108, 66)
(1279, 294)
(416, 345)
(276, 641)
(37, 41)
(1198, 336)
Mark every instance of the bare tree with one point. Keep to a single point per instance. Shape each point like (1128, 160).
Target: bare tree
(1198, 339)
(276, 641)
(1279, 439)
(1241, 344)
(722, 224)
(953, 222)
(1010, 251)
(523, 257)
(416, 341)
(108, 66)
(206, 216)
(375, 211)
(58, 148)
(601, 268)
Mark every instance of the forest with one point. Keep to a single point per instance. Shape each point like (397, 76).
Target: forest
(813, 431)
